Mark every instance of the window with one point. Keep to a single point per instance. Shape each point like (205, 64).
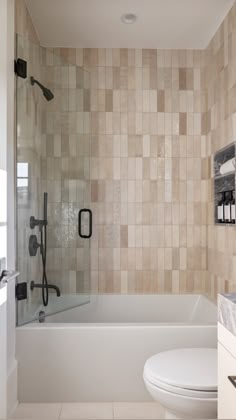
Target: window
(23, 184)
(23, 176)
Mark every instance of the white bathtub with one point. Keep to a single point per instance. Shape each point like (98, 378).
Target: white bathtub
(96, 352)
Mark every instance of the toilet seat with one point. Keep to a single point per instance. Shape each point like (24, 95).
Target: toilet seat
(185, 372)
(180, 391)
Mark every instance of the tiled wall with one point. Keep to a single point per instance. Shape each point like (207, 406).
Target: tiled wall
(135, 144)
(148, 175)
(138, 134)
(221, 128)
(133, 127)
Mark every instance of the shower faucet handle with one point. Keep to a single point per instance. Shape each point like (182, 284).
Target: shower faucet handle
(36, 222)
(33, 245)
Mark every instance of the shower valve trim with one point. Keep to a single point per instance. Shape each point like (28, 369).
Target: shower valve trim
(37, 222)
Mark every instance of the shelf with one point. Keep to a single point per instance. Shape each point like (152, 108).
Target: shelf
(225, 224)
(224, 176)
(223, 184)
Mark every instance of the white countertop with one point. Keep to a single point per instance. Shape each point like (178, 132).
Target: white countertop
(227, 311)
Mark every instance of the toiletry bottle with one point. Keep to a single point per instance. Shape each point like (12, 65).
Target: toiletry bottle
(232, 205)
(227, 207)
(220, 209)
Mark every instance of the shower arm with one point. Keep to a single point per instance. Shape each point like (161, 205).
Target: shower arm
(36, 82)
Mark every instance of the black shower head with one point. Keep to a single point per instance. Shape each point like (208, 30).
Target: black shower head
(46, 92)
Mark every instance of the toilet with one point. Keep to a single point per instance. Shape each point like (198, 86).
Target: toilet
(184, 381)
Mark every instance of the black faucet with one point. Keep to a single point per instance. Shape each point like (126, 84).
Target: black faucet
(34, 285)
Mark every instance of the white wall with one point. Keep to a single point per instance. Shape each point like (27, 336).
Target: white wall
(3, 124)
(12, 368)
(8, 365)
(11, 246)
(3, 353)
(7, 80)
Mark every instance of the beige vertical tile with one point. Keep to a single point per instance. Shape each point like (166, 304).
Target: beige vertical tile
(183, 123)
(116, 57)
(153, 118)
(124, 57)
(108, 101)
(161, 101)
(182, 79)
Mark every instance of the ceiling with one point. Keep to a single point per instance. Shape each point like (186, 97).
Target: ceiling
(170, 24)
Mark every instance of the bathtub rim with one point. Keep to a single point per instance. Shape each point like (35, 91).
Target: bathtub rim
(77, 325)
(93, 297)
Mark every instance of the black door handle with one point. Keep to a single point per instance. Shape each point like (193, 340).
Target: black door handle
(90, 223)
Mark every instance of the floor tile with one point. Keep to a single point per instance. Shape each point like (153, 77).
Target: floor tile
(37, 411)
(137, 411)
(87, 411)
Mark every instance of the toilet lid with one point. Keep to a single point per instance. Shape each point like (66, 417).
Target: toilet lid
(193, 369)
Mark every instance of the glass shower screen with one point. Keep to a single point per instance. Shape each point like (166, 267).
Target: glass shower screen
(53, 161)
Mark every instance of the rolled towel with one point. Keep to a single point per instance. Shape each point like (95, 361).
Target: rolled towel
(228, 166)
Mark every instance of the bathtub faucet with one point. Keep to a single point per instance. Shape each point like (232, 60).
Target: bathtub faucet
(34, 285)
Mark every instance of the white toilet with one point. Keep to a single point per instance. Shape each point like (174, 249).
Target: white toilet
(184, 381)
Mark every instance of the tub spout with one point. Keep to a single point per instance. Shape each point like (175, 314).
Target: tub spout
(34, 285)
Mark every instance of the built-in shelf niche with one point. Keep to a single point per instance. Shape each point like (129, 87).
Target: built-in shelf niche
(223, 182)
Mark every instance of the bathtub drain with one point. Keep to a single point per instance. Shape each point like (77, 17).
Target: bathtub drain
(42, 316)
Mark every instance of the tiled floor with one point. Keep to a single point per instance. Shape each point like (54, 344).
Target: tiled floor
(89, 411)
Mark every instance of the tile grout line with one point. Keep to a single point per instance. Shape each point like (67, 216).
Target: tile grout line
(112, 417)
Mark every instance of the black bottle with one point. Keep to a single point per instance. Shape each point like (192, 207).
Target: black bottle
(232, 207)
(227, 207)
(220, 209)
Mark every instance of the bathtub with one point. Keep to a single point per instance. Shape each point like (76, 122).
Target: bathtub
(96, 352)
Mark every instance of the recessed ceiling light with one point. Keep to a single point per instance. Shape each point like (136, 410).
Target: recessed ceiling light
(128, 18)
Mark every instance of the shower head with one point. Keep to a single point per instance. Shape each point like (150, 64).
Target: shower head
(46, 92)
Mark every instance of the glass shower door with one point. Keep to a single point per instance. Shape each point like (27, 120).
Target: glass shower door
(53, 161)
(66, 178)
